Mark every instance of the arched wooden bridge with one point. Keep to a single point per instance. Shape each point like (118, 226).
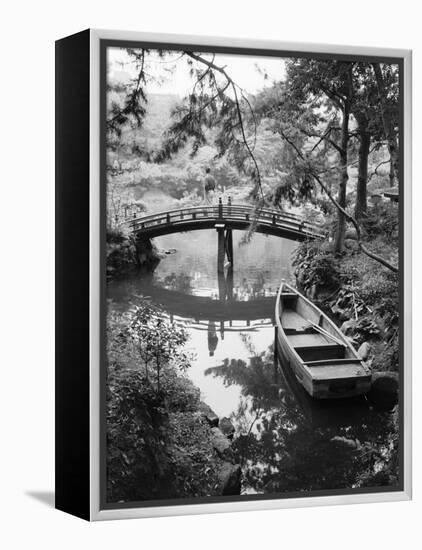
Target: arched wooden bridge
(229, 217)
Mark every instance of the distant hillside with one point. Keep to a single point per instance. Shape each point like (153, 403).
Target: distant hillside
(156, 121)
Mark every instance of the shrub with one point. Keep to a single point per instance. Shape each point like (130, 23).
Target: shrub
(316, 265)
(382, 221)
(158, 446)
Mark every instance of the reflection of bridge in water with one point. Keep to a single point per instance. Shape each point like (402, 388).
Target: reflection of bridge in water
(213, 316)
(203, 308)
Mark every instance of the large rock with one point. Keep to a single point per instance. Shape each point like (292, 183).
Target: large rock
(221, 444)
(313, 292)
(227, 427)
(121, 254)
(348, 326)
(384, 392)
(230, 479)
(351, 244)
(208, 414)
(351, 234)
(364, 350)
(340, 313)
(147, 253)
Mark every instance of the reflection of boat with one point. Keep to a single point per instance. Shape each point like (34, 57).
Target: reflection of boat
(321, 357)
(324, 413)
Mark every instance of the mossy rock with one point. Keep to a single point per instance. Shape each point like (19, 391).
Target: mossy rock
(384, 392)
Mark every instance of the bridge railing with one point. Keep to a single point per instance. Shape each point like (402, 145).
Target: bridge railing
(221, 212)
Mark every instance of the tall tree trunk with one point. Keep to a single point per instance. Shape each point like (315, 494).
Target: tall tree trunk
(391, 173)
(361, 195)
(394, 162)
(388, 124)
(343, 178)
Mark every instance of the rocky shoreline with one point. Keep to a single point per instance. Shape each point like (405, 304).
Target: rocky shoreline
(229, 473)
(126, 253)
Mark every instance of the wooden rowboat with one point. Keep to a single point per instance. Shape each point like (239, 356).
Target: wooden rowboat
(322, 358)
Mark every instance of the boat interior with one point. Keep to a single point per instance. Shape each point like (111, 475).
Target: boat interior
(314, 339)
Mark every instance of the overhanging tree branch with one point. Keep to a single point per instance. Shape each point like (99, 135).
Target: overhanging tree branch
(234, 87)
(348, 216)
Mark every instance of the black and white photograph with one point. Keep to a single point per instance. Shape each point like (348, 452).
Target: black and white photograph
(252, 274)
(211, 275)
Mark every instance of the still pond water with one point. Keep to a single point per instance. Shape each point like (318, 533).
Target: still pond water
(284, 440)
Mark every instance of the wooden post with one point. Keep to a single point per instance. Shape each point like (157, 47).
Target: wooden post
(222, 290)
(229, 245)
(229, 283)
(221, 249)
(220, 208)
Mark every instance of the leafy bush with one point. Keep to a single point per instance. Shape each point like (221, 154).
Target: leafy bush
(115, 235)
(366, 329)
(121, 254)
(382, 220)
(316, 265)
(382, 458)
(158, 446)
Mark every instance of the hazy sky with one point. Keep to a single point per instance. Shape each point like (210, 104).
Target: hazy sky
(242, 69)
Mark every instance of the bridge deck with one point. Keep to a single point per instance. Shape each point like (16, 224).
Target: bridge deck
(268, 221)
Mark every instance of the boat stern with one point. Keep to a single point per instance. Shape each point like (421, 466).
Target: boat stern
(339, 388)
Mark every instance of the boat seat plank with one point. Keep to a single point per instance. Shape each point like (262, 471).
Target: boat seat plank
(289, 331)
(329, 362)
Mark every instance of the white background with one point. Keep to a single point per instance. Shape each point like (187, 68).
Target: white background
(29, 29)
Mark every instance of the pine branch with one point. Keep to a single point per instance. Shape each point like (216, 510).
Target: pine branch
(234, 87)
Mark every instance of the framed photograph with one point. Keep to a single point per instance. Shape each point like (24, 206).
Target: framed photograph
(233, 274)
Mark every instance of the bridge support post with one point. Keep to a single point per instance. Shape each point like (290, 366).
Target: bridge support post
(225, 246)
(225, 250)
(229, 283)
(221, 251)
(229, 245)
